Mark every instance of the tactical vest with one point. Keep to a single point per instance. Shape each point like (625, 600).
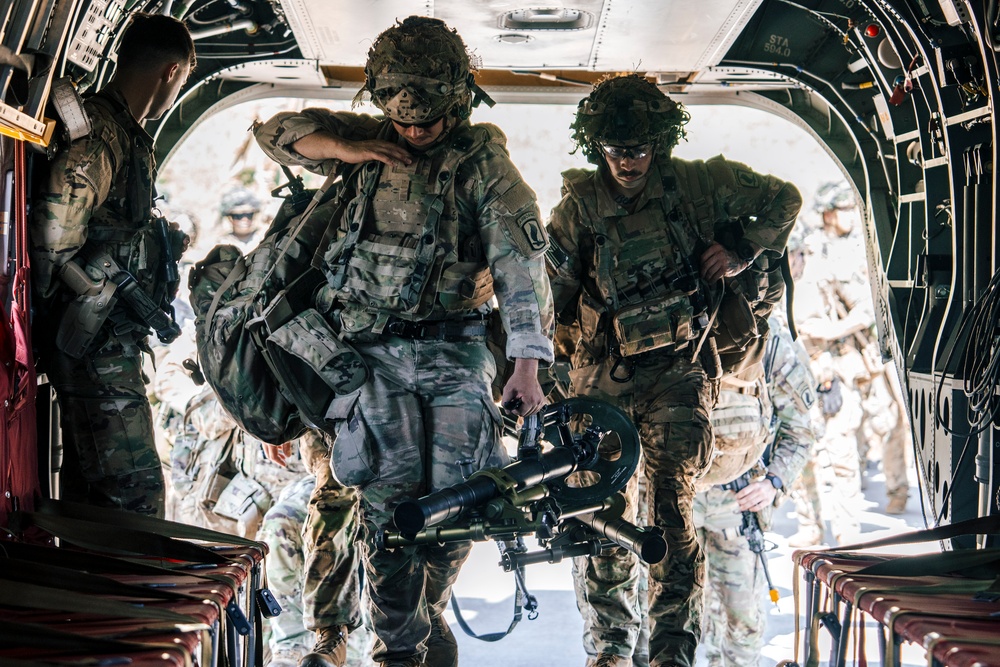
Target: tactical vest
(121, 226)
(400, 248)
(642, 271)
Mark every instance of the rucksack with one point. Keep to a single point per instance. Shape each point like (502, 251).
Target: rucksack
(230, 291)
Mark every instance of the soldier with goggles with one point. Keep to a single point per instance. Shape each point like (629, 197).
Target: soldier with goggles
(640, 282)
(437, 222)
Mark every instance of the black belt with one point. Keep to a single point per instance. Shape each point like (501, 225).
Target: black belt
(444, 330)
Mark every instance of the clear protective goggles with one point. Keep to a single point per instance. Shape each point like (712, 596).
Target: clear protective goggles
(627, 152)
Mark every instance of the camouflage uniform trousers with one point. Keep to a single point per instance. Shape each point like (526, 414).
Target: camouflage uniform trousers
(885, 429)
(628, 599)
(830, 483)
(668, 398)
(284, 529)
(331, 593)
(427, 406)
(109, 448)
(734, 622)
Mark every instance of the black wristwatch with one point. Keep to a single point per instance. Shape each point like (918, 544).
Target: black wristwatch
(746, 251)
(775, 481)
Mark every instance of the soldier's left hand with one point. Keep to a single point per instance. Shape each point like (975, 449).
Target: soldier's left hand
(717, 262)
(523, 385)
(278, 453)
(756, 496)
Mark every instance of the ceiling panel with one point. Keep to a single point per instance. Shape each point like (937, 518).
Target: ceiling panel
(610, 35)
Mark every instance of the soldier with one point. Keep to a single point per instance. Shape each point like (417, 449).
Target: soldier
(624, 242)
(834, 314)
(312, 563)
(734, 627)
(240, 207)
(439, 221)
(92, 227)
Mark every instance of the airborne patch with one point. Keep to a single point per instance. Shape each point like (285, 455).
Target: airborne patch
(534, 233)
(747, 178)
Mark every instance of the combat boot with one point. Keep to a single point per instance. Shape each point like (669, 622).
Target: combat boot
(897, 503)
(610, 660)
(442, 649)
(330, 649)
(808, 536)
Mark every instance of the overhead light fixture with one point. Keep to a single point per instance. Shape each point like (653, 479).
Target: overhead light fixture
(546, 18)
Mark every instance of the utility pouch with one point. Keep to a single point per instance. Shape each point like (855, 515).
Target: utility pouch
(244, 501)
(654, 324)
(313, 364)
(736, 323)
(211, 487)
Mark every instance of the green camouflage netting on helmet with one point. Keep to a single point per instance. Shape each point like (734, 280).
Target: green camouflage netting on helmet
(627, 110)
(418, 70)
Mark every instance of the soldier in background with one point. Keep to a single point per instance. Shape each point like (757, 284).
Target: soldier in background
(624, 242)
(833, 314)
(313, 561)
(240, 208)
(410, 272)
(92, 212)
(734, 625)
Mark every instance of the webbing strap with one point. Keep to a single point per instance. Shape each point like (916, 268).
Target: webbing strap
(115, 539)
(82, 582)
(521, 598)
(133, 521)
(21, 594)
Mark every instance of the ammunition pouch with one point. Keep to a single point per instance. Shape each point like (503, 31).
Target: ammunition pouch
(665, 322)
(313, 364)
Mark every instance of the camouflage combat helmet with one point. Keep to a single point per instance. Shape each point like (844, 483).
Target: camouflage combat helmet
(239, 200)
(418, 71)
(627, 110)
(834, 195)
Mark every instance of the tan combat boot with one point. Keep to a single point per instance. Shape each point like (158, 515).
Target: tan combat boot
(330, 649)
(611, 660)
(808, 536)
(897, 502)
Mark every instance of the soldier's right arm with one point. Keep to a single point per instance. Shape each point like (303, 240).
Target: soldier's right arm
(562, 260)
(79, 181)
(322, 140)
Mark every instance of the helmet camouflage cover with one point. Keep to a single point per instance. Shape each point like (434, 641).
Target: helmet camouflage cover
(239, 200)
(418, 70)
(627, 110)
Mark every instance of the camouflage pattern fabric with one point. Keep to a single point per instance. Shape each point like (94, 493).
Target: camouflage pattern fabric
(495, 212)
(427, 406)
(831, 302)
(98, 188)
(282, 531)
(428, 403)
(668, 397)
(109, 451)
(733, 631)
(332, 588)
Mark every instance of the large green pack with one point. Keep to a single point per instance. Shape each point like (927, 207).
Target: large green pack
(229, 292)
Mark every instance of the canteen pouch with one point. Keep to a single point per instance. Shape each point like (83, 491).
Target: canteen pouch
(313, 364)
(655, 324)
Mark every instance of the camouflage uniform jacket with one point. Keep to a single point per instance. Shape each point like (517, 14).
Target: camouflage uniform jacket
(793, 394)
(491, 210)
(99, 196)
(685, 198)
